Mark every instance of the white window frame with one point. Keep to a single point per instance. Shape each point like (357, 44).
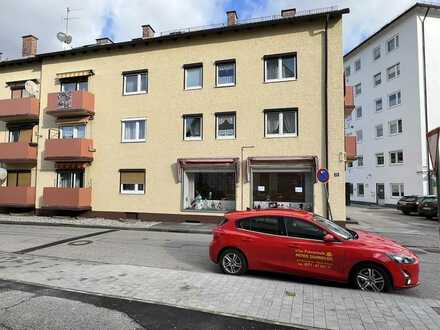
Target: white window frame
(73, 177)
(356, 89)
(280, 120)
(280, 68)
(401, 190)
(217, 84)
(139, 79)
(383, 156)
(185, 69)
(396, 39)
(378, 48)
(396, 152)
(375, 131)
(136, 190)
(357, 136)
(375, 104)
(375, 81)
(137, 140)
(398, 99)
(396, 121)
(217, 136)
(356, 65)
(193, 138)
(396, 68)
(75, 130)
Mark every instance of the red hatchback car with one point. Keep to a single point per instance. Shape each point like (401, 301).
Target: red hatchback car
(304, 244)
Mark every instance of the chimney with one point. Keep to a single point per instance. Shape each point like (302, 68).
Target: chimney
(29, 46)
(232, 17)
(147, 31)
(104, 41)
(288, 12)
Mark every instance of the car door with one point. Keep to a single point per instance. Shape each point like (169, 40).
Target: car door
(309, 254)
(263, 241)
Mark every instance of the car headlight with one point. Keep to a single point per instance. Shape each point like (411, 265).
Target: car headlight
(402, 259)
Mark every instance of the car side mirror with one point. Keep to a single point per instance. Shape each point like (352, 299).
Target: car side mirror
(329, 238)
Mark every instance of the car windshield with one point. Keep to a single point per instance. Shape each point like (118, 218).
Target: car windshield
(334, 228)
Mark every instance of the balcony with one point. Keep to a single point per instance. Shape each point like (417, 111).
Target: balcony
(350, 147)
(19, 197)
(348, 101)
(18, 152)
(69, 199)
(69, 150)
(19, 110)
(71, 104)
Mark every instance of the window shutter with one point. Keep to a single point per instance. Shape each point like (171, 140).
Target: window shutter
(25, 135)
(24, 179)
(12, 179)
(132, 177)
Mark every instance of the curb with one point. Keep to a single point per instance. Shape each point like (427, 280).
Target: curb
(51, 224)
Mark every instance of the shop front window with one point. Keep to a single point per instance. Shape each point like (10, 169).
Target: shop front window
(282, 189)
(209, 191)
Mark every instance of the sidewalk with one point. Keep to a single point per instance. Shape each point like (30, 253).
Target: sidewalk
(263, 299)
(101, 223)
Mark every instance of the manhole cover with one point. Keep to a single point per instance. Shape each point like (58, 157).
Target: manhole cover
(79, 243)
(436, 309)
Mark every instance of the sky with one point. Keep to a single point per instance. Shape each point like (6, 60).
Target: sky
(121, 20)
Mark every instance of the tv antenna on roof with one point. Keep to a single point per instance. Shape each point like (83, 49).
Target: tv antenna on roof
(64, 37)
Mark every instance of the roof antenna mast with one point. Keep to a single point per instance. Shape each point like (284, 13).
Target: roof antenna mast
(65, 37)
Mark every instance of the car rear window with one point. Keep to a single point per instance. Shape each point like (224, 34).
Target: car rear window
(409, 198)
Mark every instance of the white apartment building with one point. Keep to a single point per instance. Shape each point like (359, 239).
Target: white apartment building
(391, 118)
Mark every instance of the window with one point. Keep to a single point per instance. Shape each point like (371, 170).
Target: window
(193, 76)
(281, 123)
(397, 190)
(350, 188)
(357, 65)
(18, 92)
(73, 132)
(280, 67)
(70, 179)
(358, 112)
(359, 136)
(379, 131)
(360, 161)
(376, 53)
(133, 130)
(132, 182)
(358, 89)
(192, 127)
(77, 84)
(20, 135)
(396, 157)
(377, 79)
(395, 126)
(135, 83)
(209, 189)
(347, 71)
(225, 125)
(393, 43)
(266, 225)
(360, 190)
(14, 135)
(225, 73)
(394, 99)
(18, 178)
(380, 159)
(378, 104)
(302, 229)
(393, 71)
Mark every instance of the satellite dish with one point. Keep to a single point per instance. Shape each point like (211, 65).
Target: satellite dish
(65, 38)
(3, 175)
(31, 87)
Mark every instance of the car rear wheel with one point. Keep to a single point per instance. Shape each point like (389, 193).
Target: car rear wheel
(233, 262)
(371, 278)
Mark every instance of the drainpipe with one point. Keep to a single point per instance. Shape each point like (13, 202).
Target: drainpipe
(426, 99)
(327, 210)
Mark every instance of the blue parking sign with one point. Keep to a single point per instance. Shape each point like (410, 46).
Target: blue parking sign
(323, 175)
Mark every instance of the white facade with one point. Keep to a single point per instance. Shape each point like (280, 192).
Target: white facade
(396, 131)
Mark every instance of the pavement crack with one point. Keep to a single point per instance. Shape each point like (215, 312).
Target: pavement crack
(18, 303)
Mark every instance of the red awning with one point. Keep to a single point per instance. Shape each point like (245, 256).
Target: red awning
(282, 161)
(221, 163)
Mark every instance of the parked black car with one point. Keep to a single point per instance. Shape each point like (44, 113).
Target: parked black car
(408, 204)
(428, 207)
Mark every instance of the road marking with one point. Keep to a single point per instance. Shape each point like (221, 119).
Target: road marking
(71, 239)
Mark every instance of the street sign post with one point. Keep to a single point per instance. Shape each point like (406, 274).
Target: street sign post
(432, 138)
(322, 175)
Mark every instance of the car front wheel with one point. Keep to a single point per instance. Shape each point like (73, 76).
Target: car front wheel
(233, 262)
(371, 278)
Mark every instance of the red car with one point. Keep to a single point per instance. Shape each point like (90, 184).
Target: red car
(304, 244)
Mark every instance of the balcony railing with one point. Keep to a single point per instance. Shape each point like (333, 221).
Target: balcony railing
(71, 104)
(348, 101)
(69, 150)
(25, 109)
(20, 197)
(69, 199)
(18, 152)
(350, 147)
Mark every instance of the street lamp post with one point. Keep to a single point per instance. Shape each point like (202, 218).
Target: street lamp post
(242, 172)
(432, 138)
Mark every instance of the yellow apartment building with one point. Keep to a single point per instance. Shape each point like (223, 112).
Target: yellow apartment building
(177, 126)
